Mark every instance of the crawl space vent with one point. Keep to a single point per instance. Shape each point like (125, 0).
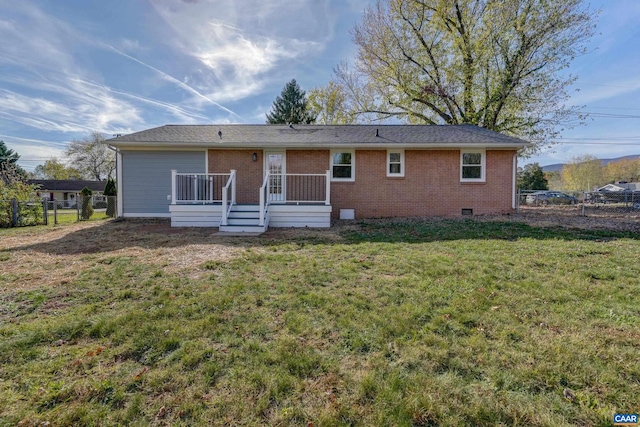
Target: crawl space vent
(467, 211)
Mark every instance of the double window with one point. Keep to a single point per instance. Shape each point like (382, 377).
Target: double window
(343, 165)
(472, 165)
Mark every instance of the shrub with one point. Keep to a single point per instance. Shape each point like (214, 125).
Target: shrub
(110, 190)
(87, 209)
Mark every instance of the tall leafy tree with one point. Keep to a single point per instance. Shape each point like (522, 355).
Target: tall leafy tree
(290, 107)
(55, 169)
(583, 173)
(329, 105)
(91, 156)
(531, 177)
(492, 63)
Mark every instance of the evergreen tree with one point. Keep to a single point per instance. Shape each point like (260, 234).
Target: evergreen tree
(290, 107)
(110, 191)
(8, 162)
(531, 177)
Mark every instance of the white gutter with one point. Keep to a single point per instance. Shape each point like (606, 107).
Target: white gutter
(514, 183)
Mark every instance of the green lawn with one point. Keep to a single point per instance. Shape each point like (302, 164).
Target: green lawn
(397, 323)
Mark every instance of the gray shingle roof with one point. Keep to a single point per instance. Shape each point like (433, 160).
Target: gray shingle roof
(316, 135)
(67, 185)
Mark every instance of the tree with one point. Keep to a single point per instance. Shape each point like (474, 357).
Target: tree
(110, 191)
(290, 107)
(583, 173)
(87, 200)
(623, 170)
(329, 105)
(531, 177)
(54, 169)
(8, 161)
(92, 157)
(490, 63)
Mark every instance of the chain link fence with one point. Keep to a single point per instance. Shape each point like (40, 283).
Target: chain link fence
(585, 203)
(50, 212)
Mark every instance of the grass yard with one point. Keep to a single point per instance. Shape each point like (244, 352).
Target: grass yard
(379, 323)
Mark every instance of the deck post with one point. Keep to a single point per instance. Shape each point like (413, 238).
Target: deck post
(262, 201)
(173, 186)
(223, 220)
(328, 190)
(233, 187)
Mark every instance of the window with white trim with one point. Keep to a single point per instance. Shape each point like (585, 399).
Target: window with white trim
(395, 162)
(343, 165)
(472, 165)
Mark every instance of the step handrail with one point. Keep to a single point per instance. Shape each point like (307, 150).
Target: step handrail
(264, 199)
(226, 206)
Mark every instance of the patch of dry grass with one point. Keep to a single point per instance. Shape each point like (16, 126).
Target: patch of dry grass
(406, 322)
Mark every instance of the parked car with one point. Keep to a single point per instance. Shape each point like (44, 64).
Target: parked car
(550, 198)
(618, 197)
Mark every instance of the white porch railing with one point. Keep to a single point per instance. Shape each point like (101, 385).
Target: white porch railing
(198, 188)
(228, 197)
(306, 188)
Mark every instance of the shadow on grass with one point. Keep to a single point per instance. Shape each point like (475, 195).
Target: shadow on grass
(155, 234)
(423, 230)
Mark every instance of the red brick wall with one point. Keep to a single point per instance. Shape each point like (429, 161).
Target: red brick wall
(249, 174)
(431, 185)
(307, 161)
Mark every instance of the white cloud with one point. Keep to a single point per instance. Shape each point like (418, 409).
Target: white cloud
(241, 43)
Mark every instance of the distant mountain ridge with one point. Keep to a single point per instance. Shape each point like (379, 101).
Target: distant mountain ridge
(556, 167)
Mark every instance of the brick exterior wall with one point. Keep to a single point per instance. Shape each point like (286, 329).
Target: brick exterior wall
(249, 174)
(431, 185)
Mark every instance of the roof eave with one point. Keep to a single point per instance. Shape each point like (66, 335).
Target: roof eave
(317, 145)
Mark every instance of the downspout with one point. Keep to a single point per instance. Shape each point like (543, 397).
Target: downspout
(120, 208)
(514, 182)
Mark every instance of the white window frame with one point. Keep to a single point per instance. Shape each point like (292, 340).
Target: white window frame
(483, 166)
(353, 165)
(401, 173)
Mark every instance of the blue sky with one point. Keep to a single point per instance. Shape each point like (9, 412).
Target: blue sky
(70, 67)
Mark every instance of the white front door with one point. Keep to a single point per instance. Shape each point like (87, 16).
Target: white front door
(276, 165)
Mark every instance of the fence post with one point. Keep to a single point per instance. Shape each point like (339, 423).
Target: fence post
(14, 219)
(78, 202)
(518, 195)
(584, 195)
(45, 211)
(55, 212)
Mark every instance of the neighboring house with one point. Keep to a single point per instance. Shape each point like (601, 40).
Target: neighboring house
(249, 177)
(621, 186)
(66, 191)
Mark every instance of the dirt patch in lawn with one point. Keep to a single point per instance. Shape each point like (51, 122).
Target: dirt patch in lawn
(51, 256)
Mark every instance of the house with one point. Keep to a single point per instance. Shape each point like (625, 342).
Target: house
(65, 191)
(621, 186)
(249, 177)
